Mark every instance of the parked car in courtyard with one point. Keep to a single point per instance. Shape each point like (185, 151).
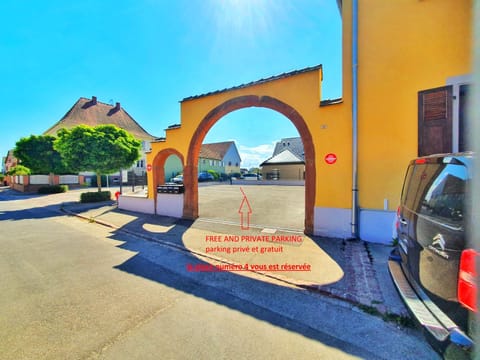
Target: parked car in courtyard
(205, 176)
(432, 266)
(252, 177)
(177, 179)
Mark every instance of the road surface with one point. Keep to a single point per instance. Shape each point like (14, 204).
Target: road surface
(77, 290)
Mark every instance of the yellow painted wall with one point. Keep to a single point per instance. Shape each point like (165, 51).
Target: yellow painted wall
(302, 92)
(404, 46)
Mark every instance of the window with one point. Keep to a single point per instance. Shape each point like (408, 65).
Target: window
(445, 197)
(419, 178)
(435, 121)
(442, 117)
(437, 191)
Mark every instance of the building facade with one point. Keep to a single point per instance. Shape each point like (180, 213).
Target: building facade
(287, 161)
(406, 69)
(92, 112)
(222, 157)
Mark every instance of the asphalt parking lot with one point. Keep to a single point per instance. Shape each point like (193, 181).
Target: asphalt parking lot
(272, 206)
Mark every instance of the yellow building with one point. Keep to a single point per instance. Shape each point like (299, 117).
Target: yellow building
(406, 69)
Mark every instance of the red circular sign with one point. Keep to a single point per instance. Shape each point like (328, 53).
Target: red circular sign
(330, 158)
(149, 167)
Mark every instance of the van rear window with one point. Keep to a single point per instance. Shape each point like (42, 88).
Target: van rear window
(445, 197)
(421, 177)
(437, 190)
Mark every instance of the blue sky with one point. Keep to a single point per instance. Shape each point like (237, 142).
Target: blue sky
(150, 54)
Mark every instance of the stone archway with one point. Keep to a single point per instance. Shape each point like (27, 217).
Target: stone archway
(159, 163)
(158, 167)
(190, 209)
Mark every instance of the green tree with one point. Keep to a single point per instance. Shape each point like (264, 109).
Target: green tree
(103, 149)
(215, 174)
(36, 152)
(19, 170)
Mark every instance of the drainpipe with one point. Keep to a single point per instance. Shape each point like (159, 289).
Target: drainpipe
(354, 222)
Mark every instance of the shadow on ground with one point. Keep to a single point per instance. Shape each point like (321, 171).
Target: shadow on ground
(250, 296)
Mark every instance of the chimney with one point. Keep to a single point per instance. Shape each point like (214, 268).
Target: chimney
(117, 106)
(94, 100)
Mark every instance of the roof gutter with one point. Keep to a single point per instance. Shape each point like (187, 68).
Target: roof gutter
(354, 216)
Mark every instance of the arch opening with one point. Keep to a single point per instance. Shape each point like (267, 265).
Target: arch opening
(191, 205)
(164, 164)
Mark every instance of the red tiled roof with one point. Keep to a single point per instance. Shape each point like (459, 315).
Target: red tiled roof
(92, 112)
(215, 151)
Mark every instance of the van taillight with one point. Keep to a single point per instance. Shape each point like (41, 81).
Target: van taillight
(467, 279)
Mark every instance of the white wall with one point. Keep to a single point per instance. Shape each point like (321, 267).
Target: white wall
(170, 205)
(374, 225)
(39, 179)
(136, 203)
(332, 222)
(68, 179)
(167, 204)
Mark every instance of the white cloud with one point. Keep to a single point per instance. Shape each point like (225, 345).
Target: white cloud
(255, 155)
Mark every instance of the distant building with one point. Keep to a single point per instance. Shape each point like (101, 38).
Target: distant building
(222, 157)
(9, 161)
(92, 113)
(287, 161)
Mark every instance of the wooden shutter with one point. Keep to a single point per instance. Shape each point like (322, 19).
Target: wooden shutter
(462, 119)
(435, 121)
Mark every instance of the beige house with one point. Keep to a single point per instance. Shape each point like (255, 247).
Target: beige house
(92, 113)
(287, 161)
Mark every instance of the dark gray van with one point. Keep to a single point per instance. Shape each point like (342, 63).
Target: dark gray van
(432, 266)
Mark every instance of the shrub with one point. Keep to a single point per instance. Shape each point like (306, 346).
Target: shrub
(215, 174)
(19, 170)
(89, 197)
(53, 189)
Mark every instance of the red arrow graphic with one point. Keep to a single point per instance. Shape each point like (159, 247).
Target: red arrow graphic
(245, 210)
